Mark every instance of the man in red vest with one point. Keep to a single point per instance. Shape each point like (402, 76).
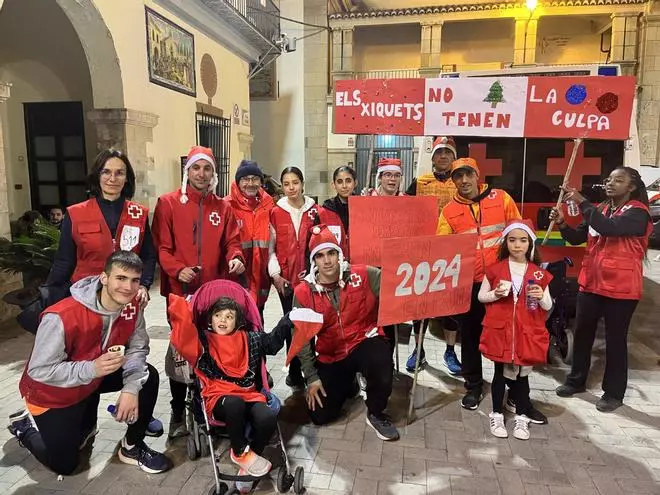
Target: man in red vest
(90, 343)
(197, 240)
(349, 340)
(251, 206)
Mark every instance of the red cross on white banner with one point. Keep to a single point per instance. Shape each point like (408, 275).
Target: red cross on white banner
(135, 211)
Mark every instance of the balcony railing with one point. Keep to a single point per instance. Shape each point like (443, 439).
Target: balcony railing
(388, 74)
(263, 15)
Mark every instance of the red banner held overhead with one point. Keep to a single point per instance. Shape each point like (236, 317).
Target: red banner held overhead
(425, 277)
(586, 107)
(374, 218)
(380, 106)
(591, 107)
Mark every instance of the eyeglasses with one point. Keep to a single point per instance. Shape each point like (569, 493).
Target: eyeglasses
(390, 175)
(251, 179)
(106, 174)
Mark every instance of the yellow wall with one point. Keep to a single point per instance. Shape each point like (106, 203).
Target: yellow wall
(472, 43)
(570, 40)
(175, 132)
(387, 47)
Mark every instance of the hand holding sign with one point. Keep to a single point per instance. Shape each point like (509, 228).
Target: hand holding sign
(425, 277)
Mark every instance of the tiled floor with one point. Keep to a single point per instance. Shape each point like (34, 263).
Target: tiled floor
(447, 450)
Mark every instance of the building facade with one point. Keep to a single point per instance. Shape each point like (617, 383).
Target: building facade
(150, 78)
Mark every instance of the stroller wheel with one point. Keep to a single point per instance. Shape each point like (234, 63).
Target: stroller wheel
(223, 489)
(299, 480)
(191, 449)
(284, 480)
(204, 449)
(568, 356)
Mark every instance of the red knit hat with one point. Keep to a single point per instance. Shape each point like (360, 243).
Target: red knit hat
(389, 165)
(195, 154)
(444, 142)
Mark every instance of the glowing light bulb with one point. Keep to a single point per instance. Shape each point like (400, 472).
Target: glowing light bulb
(531, 4)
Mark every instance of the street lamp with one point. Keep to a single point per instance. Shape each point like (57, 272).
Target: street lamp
(531, 4)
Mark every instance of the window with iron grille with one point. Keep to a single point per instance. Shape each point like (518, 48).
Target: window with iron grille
(215, 133)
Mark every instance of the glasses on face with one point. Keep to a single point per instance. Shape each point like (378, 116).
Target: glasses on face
(390, 175)
(250, 179)
(106, 174)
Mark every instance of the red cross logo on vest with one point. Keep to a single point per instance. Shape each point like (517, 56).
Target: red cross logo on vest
(492, 194)
(135, 211)
(355, 280)
(538, 275)
(311, 213)
(129, 311)
(214, 218)
(625, 208)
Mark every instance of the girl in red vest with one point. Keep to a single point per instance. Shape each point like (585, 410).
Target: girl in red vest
(517, 298)
(290, 221)
(616, 233)
(334, 212)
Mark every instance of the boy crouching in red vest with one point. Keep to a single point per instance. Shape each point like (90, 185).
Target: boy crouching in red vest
(91, 343)
(517, 299)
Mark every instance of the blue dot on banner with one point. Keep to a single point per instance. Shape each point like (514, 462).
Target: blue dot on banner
(576, 94)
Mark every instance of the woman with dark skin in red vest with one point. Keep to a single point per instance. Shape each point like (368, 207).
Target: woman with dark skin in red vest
(616, 233)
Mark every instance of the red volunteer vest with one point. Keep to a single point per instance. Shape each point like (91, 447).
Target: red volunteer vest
(344, 330)
(514, 334)
(489, 226)
(612, 266)
(336, 226)
(289, 248)
(82, 342)
(94, 243)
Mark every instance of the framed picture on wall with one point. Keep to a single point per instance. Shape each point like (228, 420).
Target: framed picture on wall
(263, 85)
(170, 54)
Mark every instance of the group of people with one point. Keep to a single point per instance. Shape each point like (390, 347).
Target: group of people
(95, 340)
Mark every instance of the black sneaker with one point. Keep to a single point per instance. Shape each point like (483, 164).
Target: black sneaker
(383, 427)
(19, 423)
(148, 460)
(534, 415)
(567, 390)
(472, 399)
(608, 404)
(295, 382)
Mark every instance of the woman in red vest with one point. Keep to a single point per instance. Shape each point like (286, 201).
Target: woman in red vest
(92, 230)
(290, 221)
(616, 233)
(517, 298)
(334, 212)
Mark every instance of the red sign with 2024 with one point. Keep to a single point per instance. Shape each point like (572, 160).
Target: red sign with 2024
(594, 107)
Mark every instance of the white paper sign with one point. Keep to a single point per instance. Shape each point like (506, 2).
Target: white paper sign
(130, 236)
(487, 106)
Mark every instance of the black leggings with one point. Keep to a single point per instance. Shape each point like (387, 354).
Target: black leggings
(519, 388)
(235, 413)
(62, 430)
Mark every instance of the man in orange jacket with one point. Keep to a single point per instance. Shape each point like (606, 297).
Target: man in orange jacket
(196, 237)
(484, 211)
(251, 206)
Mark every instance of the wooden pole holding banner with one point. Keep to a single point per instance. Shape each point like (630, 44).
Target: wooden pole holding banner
(369, 162)
(576, 144)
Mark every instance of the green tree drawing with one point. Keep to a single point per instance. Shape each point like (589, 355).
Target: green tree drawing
(495, 94)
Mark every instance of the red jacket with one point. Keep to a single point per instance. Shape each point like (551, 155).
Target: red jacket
(254, 226)
(94, 243)
(336, 226)
(514, 334)
(199, 233)
(291, 249)
(82, 342)
(345, 329)
(612, 266)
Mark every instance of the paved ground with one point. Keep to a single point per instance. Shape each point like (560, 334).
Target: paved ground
(445, 451)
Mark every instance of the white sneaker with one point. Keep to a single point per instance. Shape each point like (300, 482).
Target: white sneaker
(497, 427)
(521, 427)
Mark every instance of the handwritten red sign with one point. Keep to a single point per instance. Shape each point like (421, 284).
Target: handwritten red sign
(374, 218)
(425, 277)
(587, 107)
(380, 106)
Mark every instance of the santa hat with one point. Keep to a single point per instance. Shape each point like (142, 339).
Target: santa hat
(322, 238)
(389, 165)
(525, 225)
(444, 142)
(197, 153)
